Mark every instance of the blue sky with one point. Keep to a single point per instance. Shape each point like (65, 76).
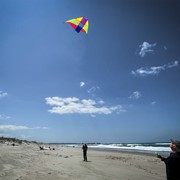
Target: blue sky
(119, 83)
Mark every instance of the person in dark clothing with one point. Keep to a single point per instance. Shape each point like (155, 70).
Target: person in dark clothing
(172, 162)
(85, 148)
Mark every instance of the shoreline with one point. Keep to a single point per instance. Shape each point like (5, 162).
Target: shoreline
(148, 153)
(146, 148)
(28, 162)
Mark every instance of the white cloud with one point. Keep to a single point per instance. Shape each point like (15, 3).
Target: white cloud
(17, 128)
(82, 84)
(154, 70)
(135, 95)
(3, 94)
(145, 48)
(171, 64)
(72, 105)
(101, 102)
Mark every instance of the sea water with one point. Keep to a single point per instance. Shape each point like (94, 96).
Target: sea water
(150, 148)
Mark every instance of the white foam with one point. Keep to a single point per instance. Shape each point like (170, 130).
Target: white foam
(136, 147)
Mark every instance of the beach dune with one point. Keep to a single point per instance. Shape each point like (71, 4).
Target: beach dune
(28, 162)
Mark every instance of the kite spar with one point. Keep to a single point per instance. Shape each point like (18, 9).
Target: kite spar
(79, 24)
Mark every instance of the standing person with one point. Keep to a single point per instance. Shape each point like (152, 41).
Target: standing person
(85, 148)
(172, 161)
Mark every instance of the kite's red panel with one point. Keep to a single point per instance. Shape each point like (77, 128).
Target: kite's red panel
(82, 30)
(73, 25)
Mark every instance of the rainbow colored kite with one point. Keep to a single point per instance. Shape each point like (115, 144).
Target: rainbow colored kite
(79, 24)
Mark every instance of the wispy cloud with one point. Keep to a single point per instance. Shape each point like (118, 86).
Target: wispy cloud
(154, 70)
(17, 128)
(165, 48)
(82, 84)
(135, 95)
(2, 116)
(25, 136)
(72, 105)
(153, 103)
(145, 48)
(93, 89)
(5, 135)
(3, 94)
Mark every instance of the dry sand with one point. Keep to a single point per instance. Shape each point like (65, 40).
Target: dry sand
(28, 162)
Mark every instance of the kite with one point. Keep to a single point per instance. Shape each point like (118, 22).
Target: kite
(79, 24)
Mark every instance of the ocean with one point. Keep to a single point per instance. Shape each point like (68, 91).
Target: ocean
(149, 148)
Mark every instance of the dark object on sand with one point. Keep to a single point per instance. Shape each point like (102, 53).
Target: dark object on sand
(44, 148)
(85, 148)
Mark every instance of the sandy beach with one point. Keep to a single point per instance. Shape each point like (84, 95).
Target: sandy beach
(27, 162)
